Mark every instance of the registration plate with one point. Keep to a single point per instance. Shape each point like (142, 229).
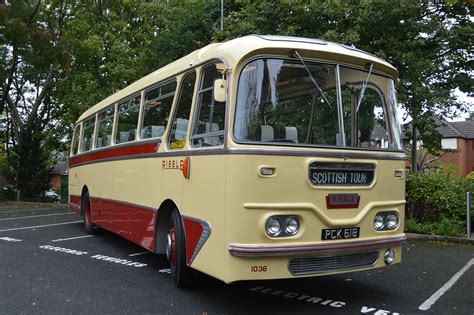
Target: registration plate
(340, 234)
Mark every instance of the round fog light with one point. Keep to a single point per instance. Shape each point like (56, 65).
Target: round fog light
(273, 227)
(292, 226)
(389, 257)
(378, 222)
(392, 221)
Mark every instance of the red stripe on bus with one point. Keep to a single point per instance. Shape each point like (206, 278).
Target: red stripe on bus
(114, 152)
(132, 222)
(193, 230)
(75, 203)
(135, 223)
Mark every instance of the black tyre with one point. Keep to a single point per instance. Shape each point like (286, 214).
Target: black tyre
(86, 214)
(176, 252)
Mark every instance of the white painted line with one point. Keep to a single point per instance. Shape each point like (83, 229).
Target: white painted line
(432, 300)
(37, 216)
(166, 270)
(31, 210)
(71, 238)
(137, 254)
(10, 239)
(39, 226)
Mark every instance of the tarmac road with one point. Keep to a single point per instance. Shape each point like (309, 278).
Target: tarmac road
(49, 265)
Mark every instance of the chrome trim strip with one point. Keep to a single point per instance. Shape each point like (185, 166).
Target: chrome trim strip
(238, 250)
(206, 232)
(342, 155)
(251, 151)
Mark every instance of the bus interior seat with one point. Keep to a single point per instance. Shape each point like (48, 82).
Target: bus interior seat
(124, 136)
(267, 133)
(157, 131)
(215, 127)
(291, 133)
(133, 134)
(181, 128)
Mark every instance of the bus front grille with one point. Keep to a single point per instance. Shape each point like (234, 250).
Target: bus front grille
(318, 265)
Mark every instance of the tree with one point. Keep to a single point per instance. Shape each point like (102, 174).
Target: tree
(32, 54)
(113, 44)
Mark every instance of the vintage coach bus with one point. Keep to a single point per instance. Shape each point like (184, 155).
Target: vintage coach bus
(263, 157)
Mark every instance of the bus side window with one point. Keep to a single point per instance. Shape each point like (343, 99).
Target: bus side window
(208, 127)
(179, 127)
(127, 120)
(75, 140)
(104, 127)
(88, 134)
(157, 110)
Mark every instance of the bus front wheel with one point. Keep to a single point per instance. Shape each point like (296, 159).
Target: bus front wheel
(176, 252)
(86, 215)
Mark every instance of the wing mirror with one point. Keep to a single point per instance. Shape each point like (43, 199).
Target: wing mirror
(219, 90)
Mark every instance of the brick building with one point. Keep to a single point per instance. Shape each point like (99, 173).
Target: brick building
(457, 136)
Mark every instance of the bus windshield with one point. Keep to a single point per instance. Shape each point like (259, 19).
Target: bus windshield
(291, 102)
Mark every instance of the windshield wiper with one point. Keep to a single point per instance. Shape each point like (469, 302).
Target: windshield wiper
(294, 54)
(364, 85)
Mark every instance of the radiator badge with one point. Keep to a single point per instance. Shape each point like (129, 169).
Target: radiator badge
(342, 201)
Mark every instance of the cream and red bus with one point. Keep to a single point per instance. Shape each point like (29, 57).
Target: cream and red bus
(264, 157)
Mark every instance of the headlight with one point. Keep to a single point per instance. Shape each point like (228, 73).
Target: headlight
(273, 227)
(384, 221)
(292, 226)
(379, 222)
(282, 225)
(392, 221)
(389, 257)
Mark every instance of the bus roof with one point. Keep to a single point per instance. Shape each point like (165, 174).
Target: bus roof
(235, 50)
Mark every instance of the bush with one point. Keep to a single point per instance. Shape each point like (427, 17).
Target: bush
(412, 226)
(450, 227)
(436, 202)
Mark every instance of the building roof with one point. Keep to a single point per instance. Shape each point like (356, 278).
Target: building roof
(449, 129)
(236, 50)
(61, 168)
(465, 128)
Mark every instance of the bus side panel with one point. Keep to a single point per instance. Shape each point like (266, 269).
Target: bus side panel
(125, 195)
(137, 183)
(93, 177)
(204, 199)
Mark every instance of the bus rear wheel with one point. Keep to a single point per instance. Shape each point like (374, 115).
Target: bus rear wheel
(86, 215)
(176, 252)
